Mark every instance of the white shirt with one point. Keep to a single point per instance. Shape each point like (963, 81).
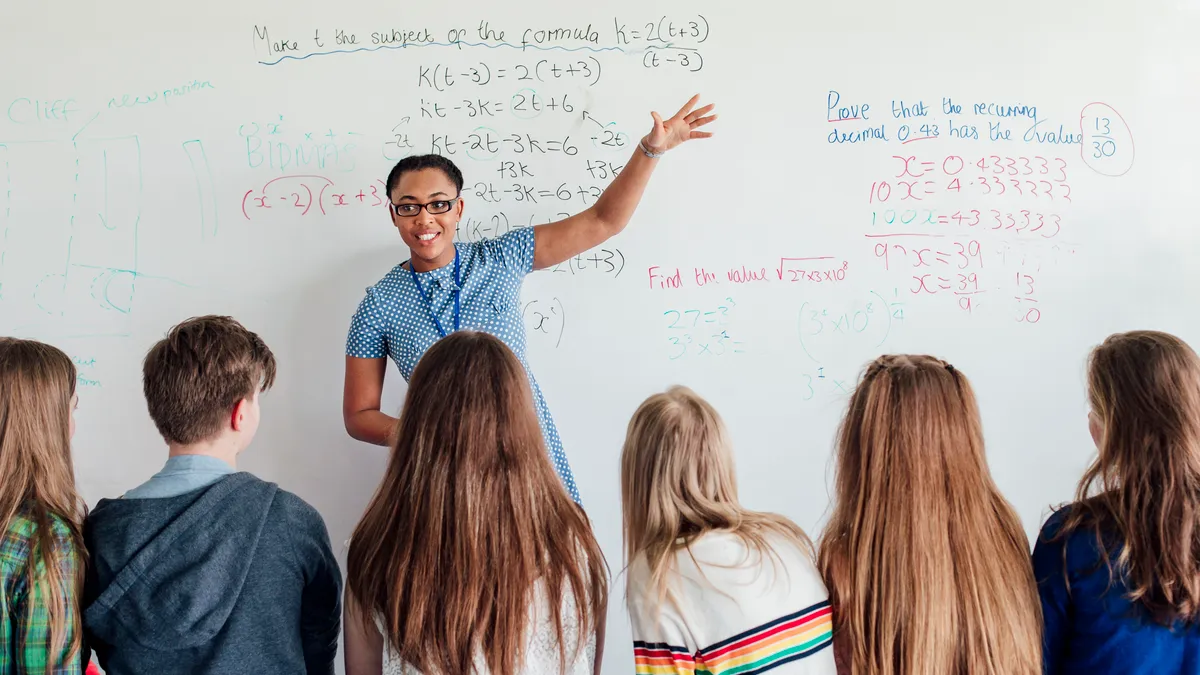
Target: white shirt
(541, 643)
(738, 610)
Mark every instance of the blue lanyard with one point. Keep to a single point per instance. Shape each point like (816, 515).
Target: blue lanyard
(429, 303)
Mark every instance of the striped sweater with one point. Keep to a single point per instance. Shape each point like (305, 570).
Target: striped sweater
(736, 613)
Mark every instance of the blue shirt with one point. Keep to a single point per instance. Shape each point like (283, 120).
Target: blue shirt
(182, 474)
(1092, 629)
(394, 320)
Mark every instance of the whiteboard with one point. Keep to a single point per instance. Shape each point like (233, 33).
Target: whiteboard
(1015, 187)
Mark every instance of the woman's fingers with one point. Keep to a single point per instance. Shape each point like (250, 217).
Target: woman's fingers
(695, 114)
(688, 106)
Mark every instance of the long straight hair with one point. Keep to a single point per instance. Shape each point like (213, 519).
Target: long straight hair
(37, 383)
(678, 483)
(927, 565)
(1144, 485)
(469, 517)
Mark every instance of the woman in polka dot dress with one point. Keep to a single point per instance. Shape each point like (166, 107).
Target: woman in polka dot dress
(447, 286)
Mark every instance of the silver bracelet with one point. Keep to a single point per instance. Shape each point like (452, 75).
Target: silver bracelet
(646, 151)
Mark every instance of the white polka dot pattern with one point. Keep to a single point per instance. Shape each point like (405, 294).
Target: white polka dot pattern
(393, 320)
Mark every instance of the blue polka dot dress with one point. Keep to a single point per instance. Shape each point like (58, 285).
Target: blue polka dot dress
(393, 319)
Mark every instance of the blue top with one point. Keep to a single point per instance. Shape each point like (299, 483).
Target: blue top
(1092, 629)
(236, 577)
(394, 319)
(182, 474)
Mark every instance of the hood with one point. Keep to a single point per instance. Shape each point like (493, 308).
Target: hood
(170, 571)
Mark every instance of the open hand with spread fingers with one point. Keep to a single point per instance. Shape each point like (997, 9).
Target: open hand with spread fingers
(683, 126)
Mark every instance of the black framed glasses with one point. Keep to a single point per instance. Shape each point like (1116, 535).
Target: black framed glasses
(410, 209)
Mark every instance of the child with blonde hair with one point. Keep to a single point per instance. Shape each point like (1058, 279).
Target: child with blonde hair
(712, 586)
(927, 564)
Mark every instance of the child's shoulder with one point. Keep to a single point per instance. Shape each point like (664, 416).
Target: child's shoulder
(1070, 522)
(1078, 534)
(729, 548)
(292, 502)
(22, 529)
(297, 512)
(24, 524)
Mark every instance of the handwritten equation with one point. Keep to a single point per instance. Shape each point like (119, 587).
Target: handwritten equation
(702, 332)
(1044, 225)
(545, 320)
(913, 248)
(956, 225)
(920, 179)
(442, 77)
(524, 193)
(811, 270)
(956, 268)
(1107, 147)
(817, 381)
(663, 40)
(525, 104)
(310, 194)
(600, 260)
(485, 143)
(274, 147)
(521, 173)
(864, 321)
(938, 266)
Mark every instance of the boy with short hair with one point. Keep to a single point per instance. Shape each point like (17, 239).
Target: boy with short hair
(203, 569)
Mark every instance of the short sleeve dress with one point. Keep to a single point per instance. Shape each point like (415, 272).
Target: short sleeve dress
(393, 319)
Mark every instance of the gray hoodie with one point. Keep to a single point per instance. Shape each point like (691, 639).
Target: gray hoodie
(236, 577)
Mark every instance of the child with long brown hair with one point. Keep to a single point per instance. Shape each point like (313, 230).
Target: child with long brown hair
(42, 556)
(712, 586)
(471, 556)
(1119, 569)
(927, 564)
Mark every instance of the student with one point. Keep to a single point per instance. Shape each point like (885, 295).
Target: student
(1119, 569)
(926, 563)
(203, 569)
(445, 286)
(42, 557)
(712, 586)
(471, 554)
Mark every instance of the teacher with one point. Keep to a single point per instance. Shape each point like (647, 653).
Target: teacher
(446, 286)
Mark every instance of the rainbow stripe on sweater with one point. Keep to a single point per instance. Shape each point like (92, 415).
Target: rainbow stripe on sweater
(757, 650)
